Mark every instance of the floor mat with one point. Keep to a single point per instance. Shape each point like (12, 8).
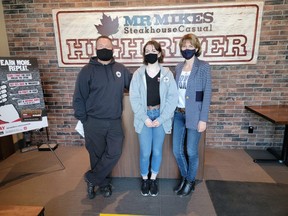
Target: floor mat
(248, 198)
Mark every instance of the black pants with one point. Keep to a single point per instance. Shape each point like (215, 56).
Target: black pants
(103, 141)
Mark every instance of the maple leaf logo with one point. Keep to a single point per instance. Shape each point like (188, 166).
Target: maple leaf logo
(107, 26)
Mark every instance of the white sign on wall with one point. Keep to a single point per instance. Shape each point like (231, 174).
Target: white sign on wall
(229, 33)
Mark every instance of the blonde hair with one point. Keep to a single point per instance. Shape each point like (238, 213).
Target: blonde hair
(193, 39)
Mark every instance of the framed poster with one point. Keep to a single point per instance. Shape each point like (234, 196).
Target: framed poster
(22, 106)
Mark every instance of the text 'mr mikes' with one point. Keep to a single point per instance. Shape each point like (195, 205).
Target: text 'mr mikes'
(177, 24)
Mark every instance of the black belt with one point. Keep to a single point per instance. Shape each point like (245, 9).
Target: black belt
(181, 110)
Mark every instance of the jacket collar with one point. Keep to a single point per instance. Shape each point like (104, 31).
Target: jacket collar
(195, 64)
(163, 72)
(194, 67)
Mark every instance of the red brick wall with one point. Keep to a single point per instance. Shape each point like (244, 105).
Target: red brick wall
(30, 33)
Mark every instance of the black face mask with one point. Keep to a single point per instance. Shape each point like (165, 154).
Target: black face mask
(104, 54)
(188, 54)
(151, 58)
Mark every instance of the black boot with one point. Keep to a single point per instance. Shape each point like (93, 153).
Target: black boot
(187, 188)
(180, 185)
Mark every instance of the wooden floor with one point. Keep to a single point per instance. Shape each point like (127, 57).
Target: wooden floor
(36, 178)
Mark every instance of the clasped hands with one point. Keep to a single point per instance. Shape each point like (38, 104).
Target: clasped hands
(150, 123)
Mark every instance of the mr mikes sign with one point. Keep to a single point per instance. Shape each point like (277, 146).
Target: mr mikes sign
(229, 33)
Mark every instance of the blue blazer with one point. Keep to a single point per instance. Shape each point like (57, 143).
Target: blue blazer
(198, 92)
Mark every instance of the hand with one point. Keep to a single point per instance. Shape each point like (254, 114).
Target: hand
(201, 126)
(156, 123)
(148, 122)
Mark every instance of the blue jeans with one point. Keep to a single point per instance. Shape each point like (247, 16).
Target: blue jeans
(151, 141)
(185, 149)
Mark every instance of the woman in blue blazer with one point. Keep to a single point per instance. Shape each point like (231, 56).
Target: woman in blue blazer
(194, 87)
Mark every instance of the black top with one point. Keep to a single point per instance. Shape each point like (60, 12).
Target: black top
(99, 90)
(153, 95)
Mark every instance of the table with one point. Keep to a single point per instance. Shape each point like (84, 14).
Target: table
(278, 114)
(12, 210)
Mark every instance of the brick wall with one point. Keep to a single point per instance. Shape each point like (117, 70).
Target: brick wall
(30, 33)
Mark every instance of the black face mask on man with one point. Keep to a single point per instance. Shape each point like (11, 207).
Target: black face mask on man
(104, 54)
(151, 58)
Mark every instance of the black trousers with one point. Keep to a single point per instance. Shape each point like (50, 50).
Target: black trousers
(103, 141)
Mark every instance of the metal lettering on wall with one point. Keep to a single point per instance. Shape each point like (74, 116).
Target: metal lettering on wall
(229, 33)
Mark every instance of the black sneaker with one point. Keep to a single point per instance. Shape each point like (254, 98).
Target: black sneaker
(106, 191)
(90, 189)
(145, 187)
(153, 188)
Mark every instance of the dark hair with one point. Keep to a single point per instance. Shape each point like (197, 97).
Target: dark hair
(157, 47)
(103, 36)
(193, 39)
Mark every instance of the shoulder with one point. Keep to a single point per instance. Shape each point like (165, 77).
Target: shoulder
(86, 70)
(166, 71)
(179, 66)
(202, 63)
(140, 71)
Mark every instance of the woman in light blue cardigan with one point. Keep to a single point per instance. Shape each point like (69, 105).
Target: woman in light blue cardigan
(153, 96)
(194, 87)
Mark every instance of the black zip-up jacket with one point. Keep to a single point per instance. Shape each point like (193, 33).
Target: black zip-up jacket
(99, 90)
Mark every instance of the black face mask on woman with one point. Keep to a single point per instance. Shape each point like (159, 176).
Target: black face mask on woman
(104, 54)
(151, 58)
(188, 54)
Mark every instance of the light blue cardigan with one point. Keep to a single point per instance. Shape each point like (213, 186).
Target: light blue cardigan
(168, 98)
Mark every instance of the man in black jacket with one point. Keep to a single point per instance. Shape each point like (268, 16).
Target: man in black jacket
(97, 103)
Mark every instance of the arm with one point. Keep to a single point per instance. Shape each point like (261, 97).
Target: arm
(171, 99)
(207, 93)
(135, 97)
(127, 78)
(202, 124)
(80, 96)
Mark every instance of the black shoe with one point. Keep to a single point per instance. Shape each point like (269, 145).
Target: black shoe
(106, 191)
(90, 189)
(187, 188)
(180, 185)
(153, 188)
(145, 187)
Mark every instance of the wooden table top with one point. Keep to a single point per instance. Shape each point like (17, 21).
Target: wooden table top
(277, 114)
(13, 210)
